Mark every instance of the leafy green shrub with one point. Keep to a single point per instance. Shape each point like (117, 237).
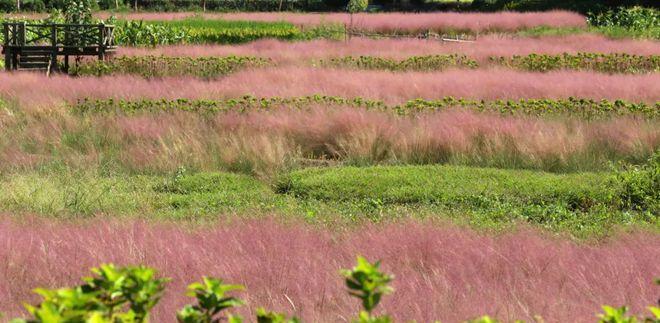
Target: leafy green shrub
(211, 300)
(638, 187)
(134, 33)
(366, 282)
(264, 316)
(415, 63)
(161, 66)
(627, 22)
(633, 18)
(574, 107)
(608, 63)
(105, 297)
(620, 315)
(113, 295)
(355, 6)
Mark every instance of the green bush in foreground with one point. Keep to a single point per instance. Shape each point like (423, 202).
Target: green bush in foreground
(161, 66)
(574, 107)
(127, 294)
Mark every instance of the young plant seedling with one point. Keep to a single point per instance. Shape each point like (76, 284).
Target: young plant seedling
(366, 282)
(211, 300)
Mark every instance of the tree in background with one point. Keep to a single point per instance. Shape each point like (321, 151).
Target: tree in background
(356, 6)
(79, 11)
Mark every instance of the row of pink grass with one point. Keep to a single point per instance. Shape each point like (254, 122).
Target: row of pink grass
(298, 81)
(442, 272)
(490, 45)
(501, 21)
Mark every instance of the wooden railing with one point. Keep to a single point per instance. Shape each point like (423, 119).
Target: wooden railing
(21, 34)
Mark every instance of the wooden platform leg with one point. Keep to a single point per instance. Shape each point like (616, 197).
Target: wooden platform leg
(8, 62)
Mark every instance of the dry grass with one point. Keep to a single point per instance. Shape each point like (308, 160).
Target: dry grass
(266, 142)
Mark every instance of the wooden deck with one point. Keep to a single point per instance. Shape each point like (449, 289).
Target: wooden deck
(38, 46)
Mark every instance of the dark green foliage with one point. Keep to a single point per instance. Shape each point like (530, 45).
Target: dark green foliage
(582, 6)
(579, 108)
(632, 18)
(161, 66)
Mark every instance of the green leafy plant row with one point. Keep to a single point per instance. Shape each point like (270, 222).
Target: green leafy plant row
(414, 63)
(574, 107)
(202, 31)
(607, 63)
(150, 66)
(160, 66)
(127, 295)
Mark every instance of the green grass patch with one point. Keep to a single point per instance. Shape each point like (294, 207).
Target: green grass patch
(584, 205)
(446, 185)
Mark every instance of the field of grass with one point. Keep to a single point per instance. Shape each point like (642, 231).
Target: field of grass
(514, 176)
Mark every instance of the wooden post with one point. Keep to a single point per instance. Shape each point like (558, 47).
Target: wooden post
(53, 52)
(21, 38)
(6, 47)
(101, 42)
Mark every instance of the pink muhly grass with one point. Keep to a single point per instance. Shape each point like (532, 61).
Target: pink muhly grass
(442, 272)
(389, 22)
(490, 45)
(298, 81)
